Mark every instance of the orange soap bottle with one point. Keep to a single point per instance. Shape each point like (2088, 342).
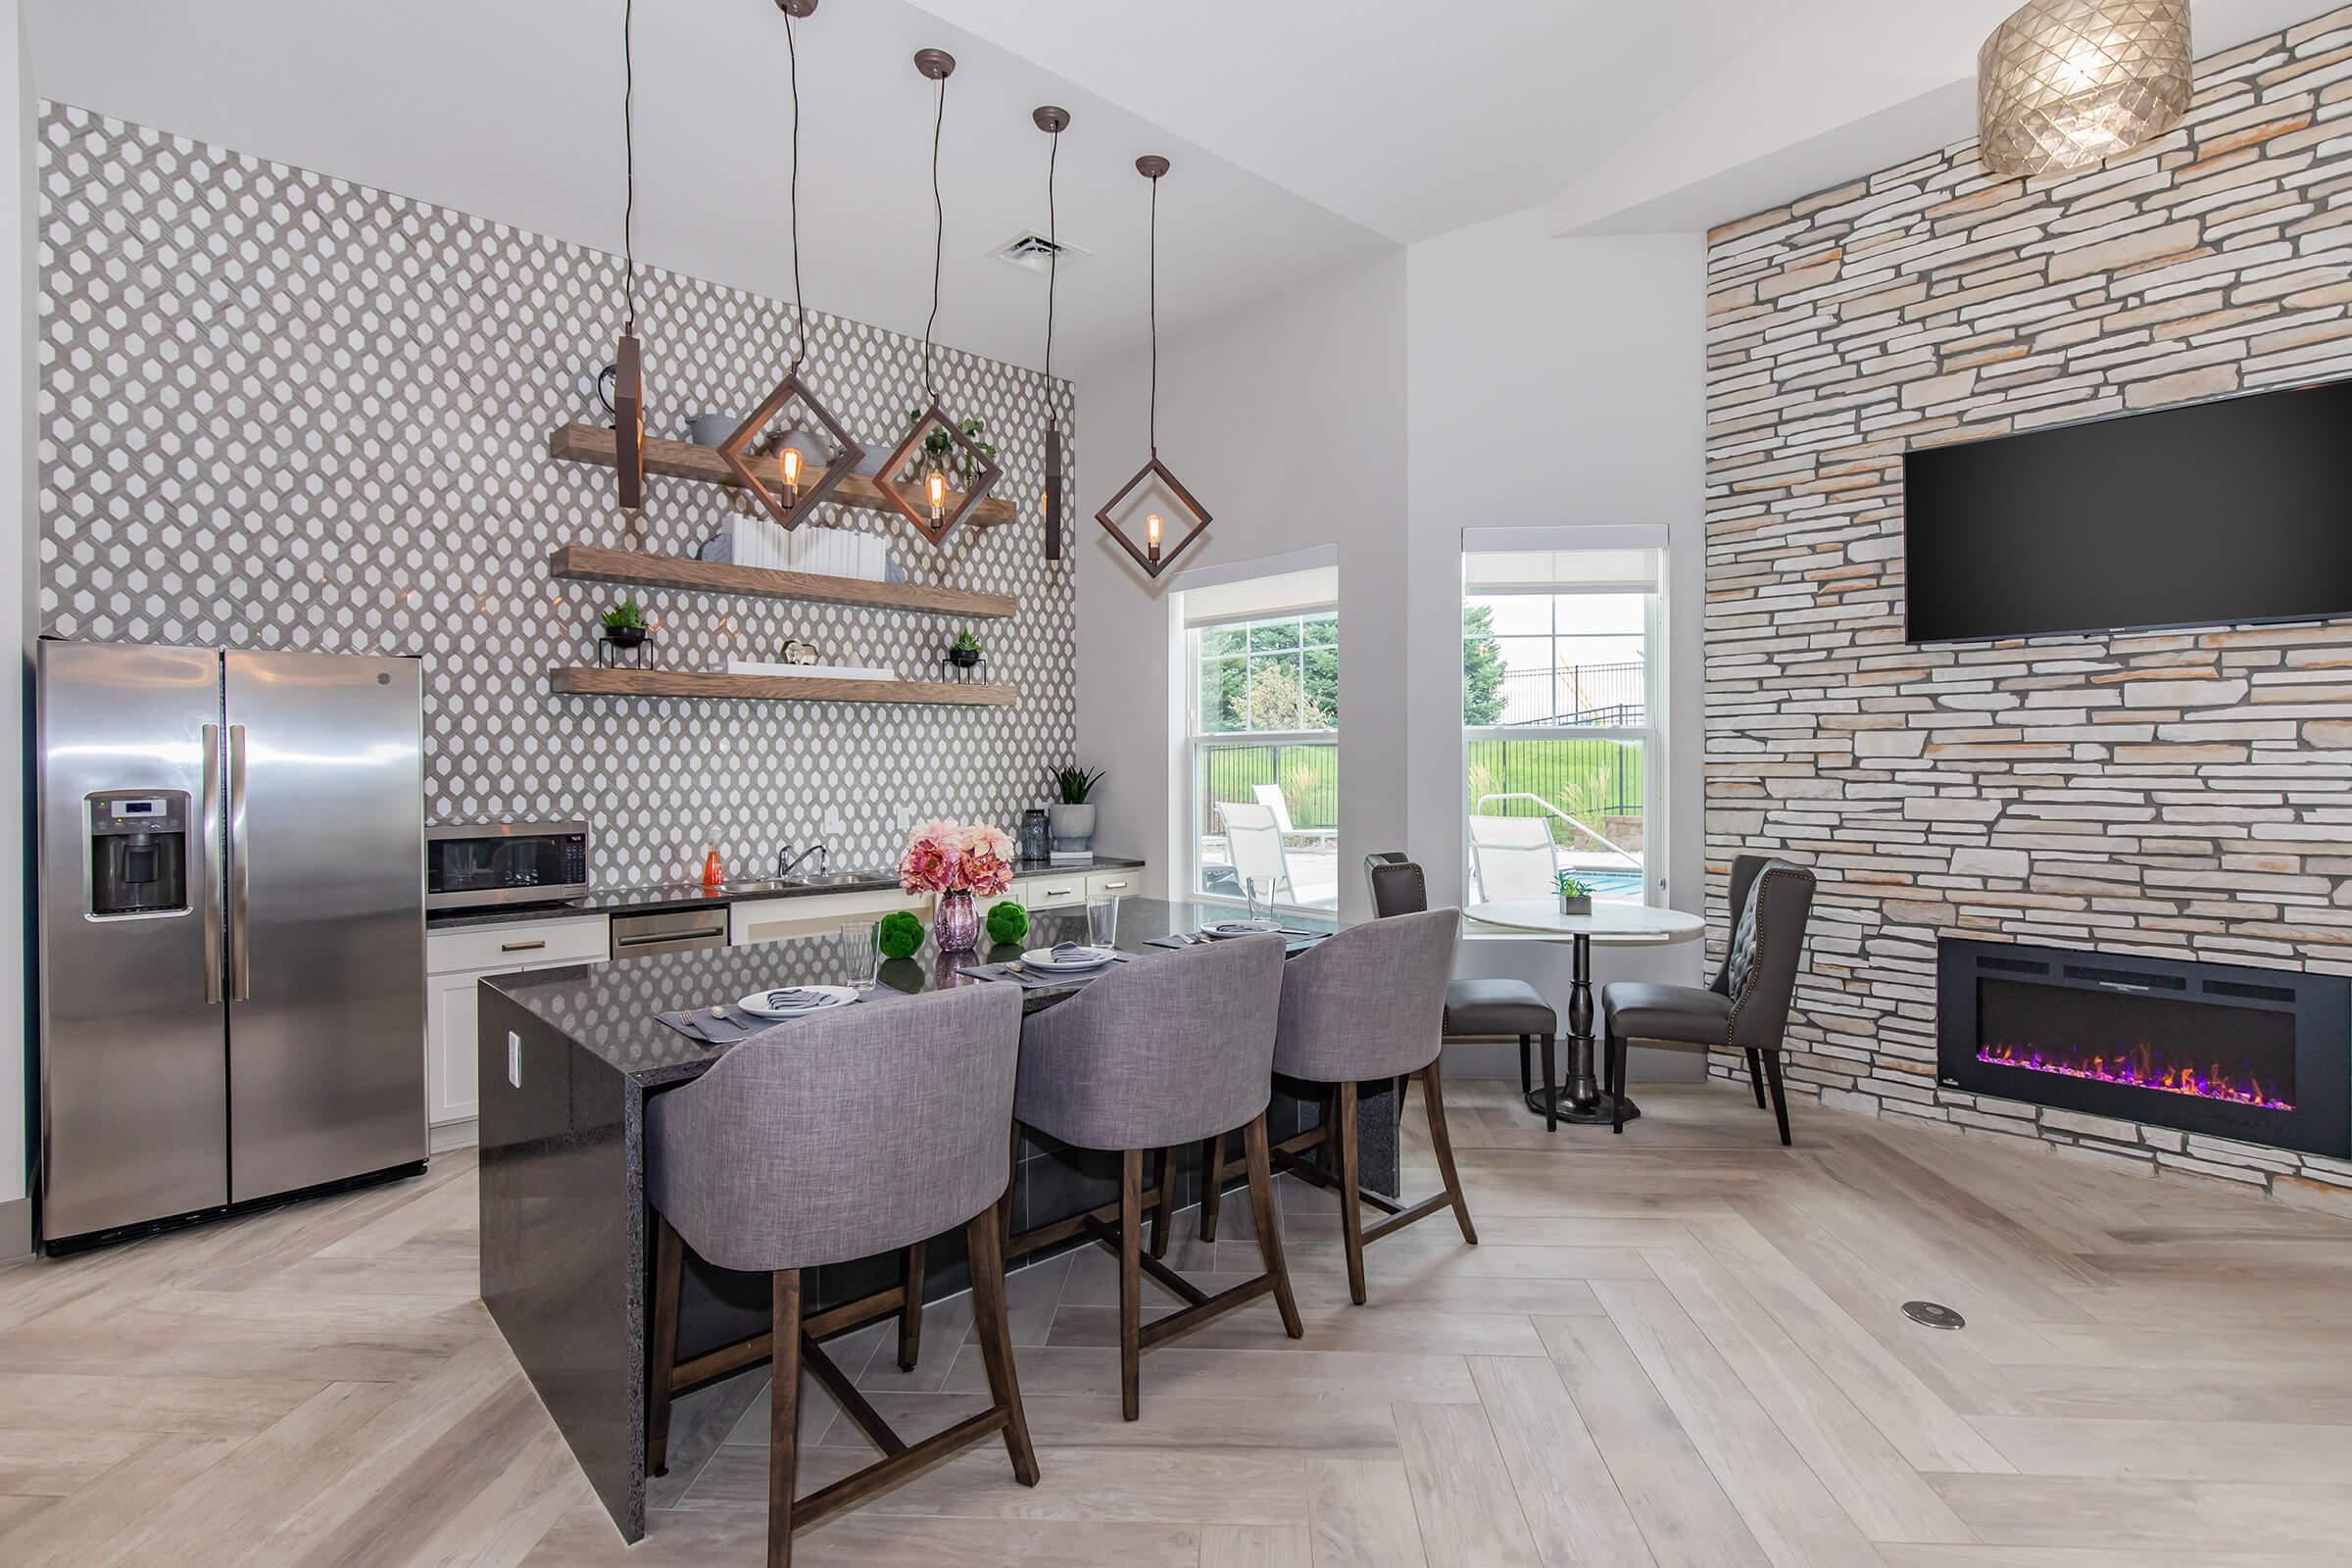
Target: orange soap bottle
(715, 875)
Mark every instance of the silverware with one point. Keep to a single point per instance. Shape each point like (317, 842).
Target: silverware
(692, 1027)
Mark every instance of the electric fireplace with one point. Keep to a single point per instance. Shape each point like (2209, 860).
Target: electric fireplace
(2261, 1055)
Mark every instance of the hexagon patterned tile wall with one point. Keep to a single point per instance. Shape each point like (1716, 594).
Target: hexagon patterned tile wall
(279, 410)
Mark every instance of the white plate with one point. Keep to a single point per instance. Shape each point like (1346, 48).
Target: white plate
(1068, 962)
(834, 997)
(1239, 928)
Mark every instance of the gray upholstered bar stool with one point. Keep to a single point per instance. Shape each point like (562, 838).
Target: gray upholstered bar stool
(1160, 1053)
(1474, 1009)
(823, 1141)
(1746, 1007)
(1370, 1003)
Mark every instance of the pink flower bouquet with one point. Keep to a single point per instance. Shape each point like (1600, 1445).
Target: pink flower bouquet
(957, 857)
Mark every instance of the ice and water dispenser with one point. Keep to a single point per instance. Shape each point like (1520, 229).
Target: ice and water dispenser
(138, 852)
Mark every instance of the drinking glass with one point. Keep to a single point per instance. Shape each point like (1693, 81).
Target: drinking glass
(1255, 910)
(1102, 920)
(860, 951)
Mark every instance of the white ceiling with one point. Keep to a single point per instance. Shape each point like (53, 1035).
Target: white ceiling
(511, 109)
(1307, 136)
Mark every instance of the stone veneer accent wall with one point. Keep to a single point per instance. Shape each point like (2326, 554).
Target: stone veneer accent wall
(2161, 794)
(281, 409)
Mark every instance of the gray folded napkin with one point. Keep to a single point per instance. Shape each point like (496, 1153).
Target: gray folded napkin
(795, 996)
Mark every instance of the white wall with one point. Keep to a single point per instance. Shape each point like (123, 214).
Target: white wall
(1287, 423)
(1490, 378)
(16, 616)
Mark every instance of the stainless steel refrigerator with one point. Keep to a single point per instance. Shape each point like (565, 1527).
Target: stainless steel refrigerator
(232, 928)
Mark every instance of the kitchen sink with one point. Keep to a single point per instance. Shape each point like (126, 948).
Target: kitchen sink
(838, 879)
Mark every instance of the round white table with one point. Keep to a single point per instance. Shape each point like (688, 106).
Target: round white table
(1580, 1098)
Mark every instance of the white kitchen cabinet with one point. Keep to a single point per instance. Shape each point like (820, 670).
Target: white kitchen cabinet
(454, 962)
(1106, 884)
(816, 914)
(1054, 890)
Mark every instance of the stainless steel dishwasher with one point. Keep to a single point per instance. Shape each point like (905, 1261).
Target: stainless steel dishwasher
(636, 935)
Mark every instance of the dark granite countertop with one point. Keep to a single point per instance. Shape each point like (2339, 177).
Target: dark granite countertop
(667, 896)
(607, 1008)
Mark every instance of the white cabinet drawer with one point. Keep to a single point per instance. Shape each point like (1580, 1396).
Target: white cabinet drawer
(517, 945)
(1105, 884)
(1052, 892)
(816, 914)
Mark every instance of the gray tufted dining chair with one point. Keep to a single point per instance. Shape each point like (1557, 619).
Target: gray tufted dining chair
(1158, 1054)
(1746, 1007)
(826, 1140)
(1369, 1004)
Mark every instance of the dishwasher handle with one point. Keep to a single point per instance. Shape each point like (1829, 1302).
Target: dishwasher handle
(634, 936)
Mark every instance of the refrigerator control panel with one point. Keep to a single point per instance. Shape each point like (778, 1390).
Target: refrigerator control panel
(138, 852)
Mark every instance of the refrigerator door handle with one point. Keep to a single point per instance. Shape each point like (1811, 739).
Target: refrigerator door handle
(210, 848)
(240, 942)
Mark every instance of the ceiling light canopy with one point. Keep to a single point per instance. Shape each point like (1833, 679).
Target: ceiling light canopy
(2063, 84)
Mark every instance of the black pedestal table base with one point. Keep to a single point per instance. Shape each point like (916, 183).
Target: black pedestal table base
(1581, 1100)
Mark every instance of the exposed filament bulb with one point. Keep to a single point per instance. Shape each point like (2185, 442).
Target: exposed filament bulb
(792, 477)
(1151, 528)
(939, 495)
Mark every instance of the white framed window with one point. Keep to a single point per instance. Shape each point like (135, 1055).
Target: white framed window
(1262, 738)
(1563, 742)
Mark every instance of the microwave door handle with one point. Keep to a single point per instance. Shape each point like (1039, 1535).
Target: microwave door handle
(240, 938)
(209, 846)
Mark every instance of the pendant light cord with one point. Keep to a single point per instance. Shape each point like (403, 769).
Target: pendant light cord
(628, 141)
(1052, 250)
(1152, 427)
(939, 238)
(800, 311)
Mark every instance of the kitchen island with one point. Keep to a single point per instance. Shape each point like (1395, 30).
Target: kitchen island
(568, 1057)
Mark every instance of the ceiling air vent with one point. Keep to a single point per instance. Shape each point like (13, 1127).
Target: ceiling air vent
(1033, 251)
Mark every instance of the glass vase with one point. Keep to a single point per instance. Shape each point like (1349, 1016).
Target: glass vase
(957, 927)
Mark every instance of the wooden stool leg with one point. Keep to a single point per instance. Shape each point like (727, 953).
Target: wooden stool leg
(1351, 1198)
(1526, 1087)
(669, 1267)
(1131, 1284)
(1212, 1183)
(1780, 1090)
(1442, 1145)
(1755, 1074)
(784, 1416)
(993, 1327)
(1163, 1212)
(1269, 1232)
(911, 1311)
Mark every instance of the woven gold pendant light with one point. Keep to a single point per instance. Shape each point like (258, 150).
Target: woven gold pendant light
(2064, 84)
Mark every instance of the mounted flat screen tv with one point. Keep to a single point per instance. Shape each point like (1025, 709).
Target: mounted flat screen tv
(2210, 514)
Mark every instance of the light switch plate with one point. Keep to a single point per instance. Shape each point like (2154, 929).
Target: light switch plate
(514, 1060)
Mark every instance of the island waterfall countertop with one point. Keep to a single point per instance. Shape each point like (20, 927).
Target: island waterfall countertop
(567, 1058)
(662, 898)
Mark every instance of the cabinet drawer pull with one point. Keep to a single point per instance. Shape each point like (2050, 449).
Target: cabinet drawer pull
(1057, 892)
(1113, 887)
(520, 947)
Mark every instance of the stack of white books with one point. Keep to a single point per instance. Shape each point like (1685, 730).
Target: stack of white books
(824, 551)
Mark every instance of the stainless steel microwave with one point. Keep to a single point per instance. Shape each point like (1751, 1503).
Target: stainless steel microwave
(470, 864)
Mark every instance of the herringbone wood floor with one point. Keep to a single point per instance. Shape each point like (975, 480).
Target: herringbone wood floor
(1679, 1347)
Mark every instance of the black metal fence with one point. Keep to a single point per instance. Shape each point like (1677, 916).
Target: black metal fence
(1589, 779)
(1308, 772)
(1598, 695)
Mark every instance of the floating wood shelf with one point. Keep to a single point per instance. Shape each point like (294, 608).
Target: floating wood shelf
(592, 563)
(592, 682)
(683, 459)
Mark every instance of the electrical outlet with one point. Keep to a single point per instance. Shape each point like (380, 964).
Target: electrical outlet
(514, 1059)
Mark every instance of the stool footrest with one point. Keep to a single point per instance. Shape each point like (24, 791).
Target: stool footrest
(862, 1484)
(1186, 1319)
(816, 1326)
(1399, 1218)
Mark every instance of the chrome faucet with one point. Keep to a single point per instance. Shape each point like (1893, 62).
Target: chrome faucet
(788, 862)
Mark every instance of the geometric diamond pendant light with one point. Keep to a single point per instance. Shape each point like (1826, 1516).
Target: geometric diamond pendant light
(2063, 84)
(1156, 555)
(1052, 122)
(930, 500)
(801, 491)
(628, 385)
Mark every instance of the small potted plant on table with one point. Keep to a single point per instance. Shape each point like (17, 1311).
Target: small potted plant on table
(964, 656)
(1576, 896)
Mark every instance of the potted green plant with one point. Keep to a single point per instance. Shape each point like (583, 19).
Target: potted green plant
(1070, 819)
(940, 453)
(1576, 896)
(964, 653)
(624, 624)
